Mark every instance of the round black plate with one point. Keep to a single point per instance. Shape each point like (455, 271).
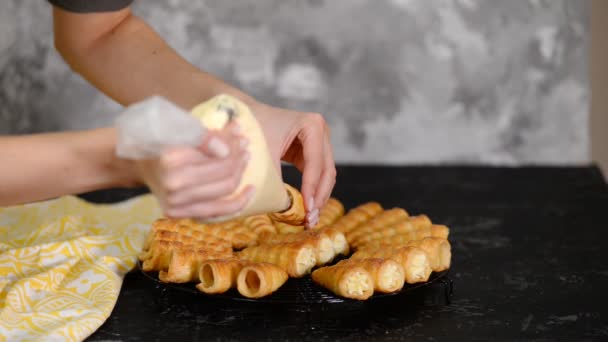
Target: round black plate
(294, 291)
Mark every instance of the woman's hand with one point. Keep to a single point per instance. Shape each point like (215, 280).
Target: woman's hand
(302, 139)
(191, 182)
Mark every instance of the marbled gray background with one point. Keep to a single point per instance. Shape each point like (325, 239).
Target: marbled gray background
(400, 81)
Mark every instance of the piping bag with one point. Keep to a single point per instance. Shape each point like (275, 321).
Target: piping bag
(146, 128)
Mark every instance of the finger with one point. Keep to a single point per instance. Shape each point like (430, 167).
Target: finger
(224, 143)
(220, 207)
(208, 190)
(209, 171)
(328, 176)
(311, 138)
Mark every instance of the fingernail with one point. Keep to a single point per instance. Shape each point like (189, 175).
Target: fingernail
(310, 204)
(218, 148)
(243, 143)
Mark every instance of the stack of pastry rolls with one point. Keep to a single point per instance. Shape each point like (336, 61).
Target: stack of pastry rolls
(391, 248)
(256, 255)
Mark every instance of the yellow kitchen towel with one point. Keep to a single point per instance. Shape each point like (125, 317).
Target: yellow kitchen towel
(62, 264)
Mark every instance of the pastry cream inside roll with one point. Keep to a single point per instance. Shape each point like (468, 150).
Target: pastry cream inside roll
(305, 261)
(261, 171)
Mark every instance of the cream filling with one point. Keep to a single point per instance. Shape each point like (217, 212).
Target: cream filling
(418, 267)
(357, 284)
(305, 260)
(339, 243)
(325, 251)
(389, 278)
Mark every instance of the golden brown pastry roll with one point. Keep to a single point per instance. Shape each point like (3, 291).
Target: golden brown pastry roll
(239, 235)
(159, 254)
(185, 262)
(296, 213)
(377, 223)
(415, 262)
(187, 236)
(284, 228)
(388, 274)
(357, 216)
(345, 280)
(219, 275)
(338, 240)
(403, 239)
(413, 226)
(438, 250)
(257, 280)
(324, 247)
(296, 258)
(330, 212)
(260, 224)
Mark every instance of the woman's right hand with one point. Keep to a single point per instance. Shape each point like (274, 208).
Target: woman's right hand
(193, 182)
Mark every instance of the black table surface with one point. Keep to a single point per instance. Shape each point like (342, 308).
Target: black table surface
(529, 261)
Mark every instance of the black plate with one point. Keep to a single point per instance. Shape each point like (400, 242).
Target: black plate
(301, 291)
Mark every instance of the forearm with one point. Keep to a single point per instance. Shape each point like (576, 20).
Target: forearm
(130, 62)
(44, 166)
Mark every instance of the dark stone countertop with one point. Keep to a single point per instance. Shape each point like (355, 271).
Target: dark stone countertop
(529, 262)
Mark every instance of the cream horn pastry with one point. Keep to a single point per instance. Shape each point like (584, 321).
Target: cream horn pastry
(357, 216)
(324, 247)
(260, 224)
(185, 262)
(345, 280)
(296, 258)
(187, 236)
(330, 213)
(295, 214)
(388, 274)
(438, 250)
(402, 239)
(284, 228)
(219, 275)
(415, 262)
(159, 254)
(236, 232)
(373, 231)
(378, 222)
(260, 279)
(338, 240)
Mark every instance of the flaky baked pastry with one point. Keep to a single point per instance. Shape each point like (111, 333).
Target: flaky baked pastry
(260, 224)
(182, 262)
(388, 275)
(322, 243)
(438, 250)
(375, 232)
(338, 240)
(346, 280)
(357, 216)
(415, 262)
(257, 280)
(239, 235)
(284, 228)
(378, 222)
(330, 213)
(401, 239)
(219, 275)
(296, 213)
(296, 258)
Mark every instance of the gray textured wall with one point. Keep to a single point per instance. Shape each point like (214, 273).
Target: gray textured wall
(400, 81)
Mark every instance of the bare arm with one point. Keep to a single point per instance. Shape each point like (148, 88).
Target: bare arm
(125, 58)
(43, 166)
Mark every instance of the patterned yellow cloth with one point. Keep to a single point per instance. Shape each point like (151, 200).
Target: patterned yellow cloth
(62, 263)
